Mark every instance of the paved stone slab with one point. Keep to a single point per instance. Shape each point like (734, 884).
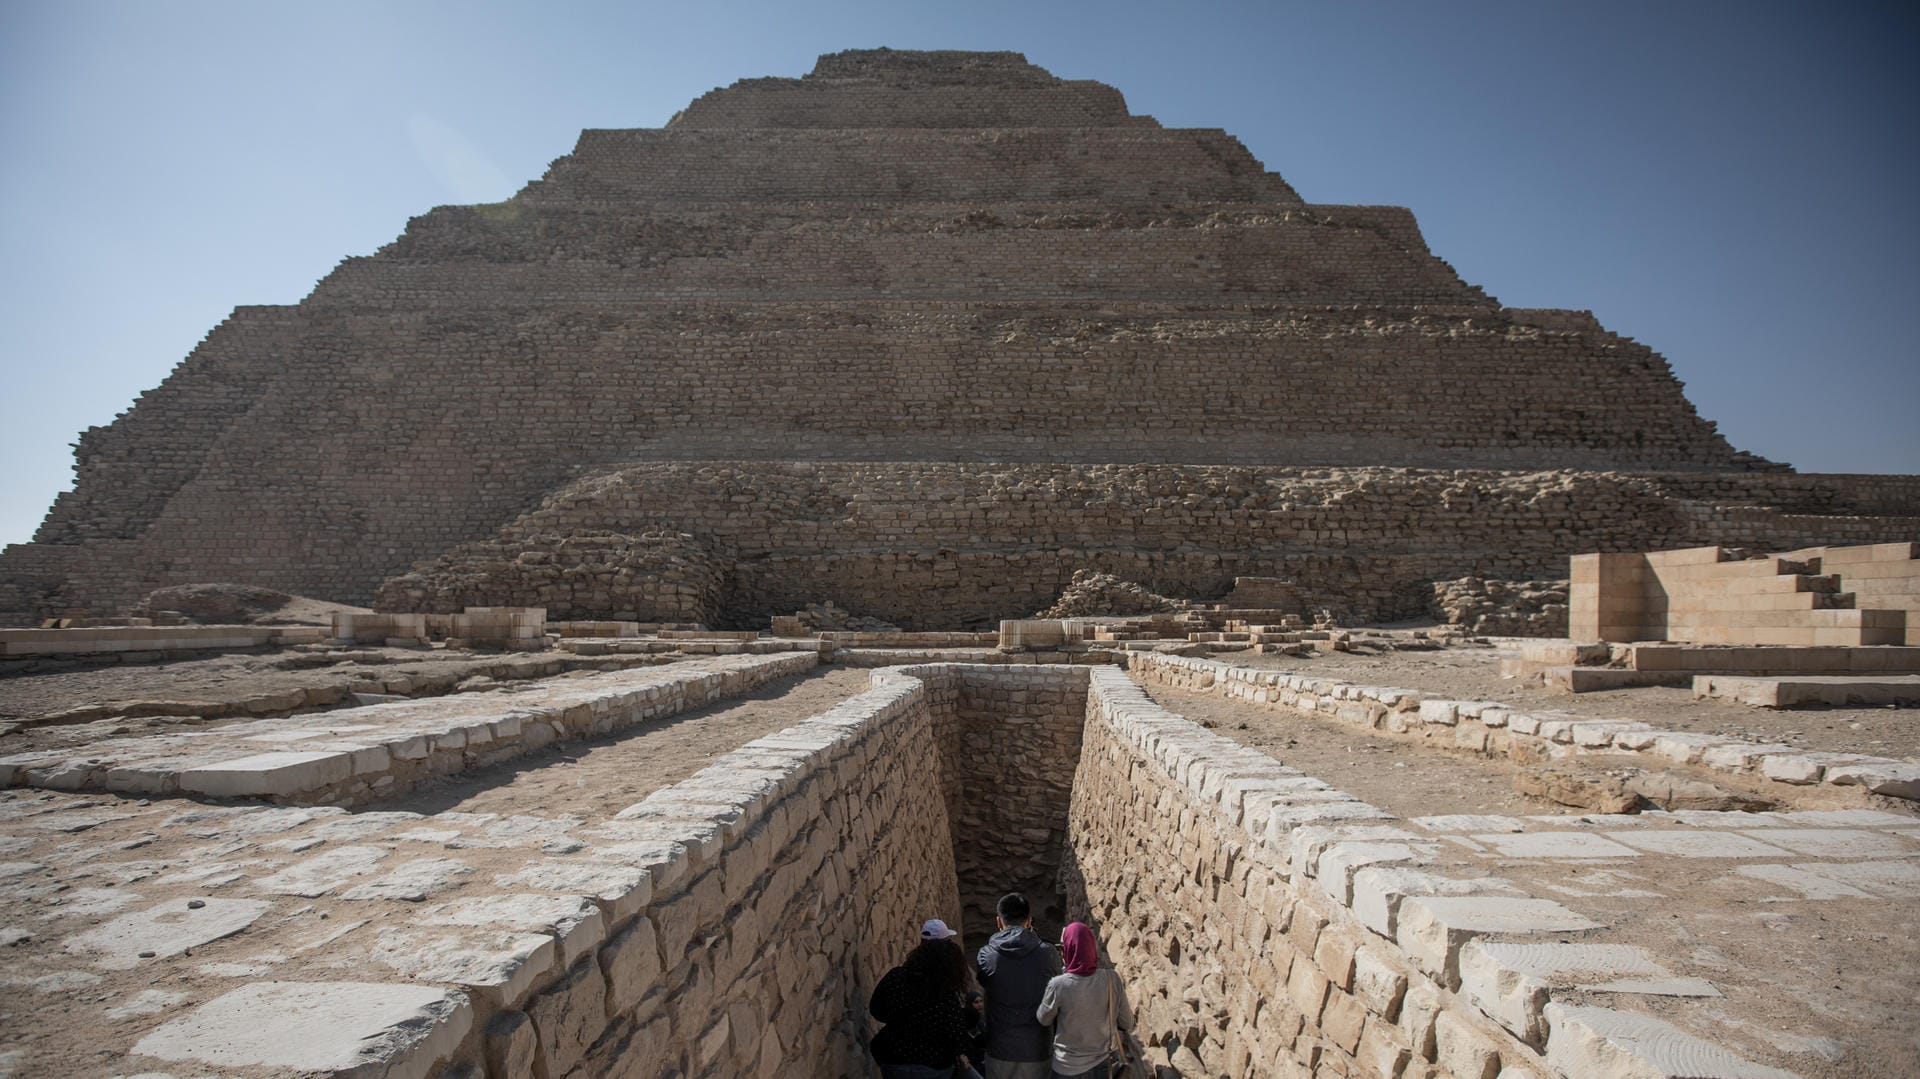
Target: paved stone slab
(1699, 844)
(323, 872)
(1838, 842)
(412, 881)
(1469, 822)
(499, 964)
(1432, 929)
(1810, 885)
(1588, 1041)
(348, 1030)
(1555, 845)
(167, 929)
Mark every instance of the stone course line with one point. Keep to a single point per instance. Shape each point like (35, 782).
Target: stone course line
(1496, 730)
(354, 756)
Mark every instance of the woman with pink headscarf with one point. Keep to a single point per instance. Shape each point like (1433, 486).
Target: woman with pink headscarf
(1087, 1009)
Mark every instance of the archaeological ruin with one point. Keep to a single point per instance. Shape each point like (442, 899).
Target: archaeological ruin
(586, 637)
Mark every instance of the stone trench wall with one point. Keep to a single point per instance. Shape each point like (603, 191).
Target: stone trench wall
(1009, 737)
(1237, 962)
(793, 873)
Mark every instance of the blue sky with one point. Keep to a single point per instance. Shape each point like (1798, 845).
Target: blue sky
(1729, 183)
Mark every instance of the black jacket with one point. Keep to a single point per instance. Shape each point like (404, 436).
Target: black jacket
(925, 1024)
(1014, 969)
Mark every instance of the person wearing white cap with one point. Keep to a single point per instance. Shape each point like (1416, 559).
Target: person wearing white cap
(925, 1036)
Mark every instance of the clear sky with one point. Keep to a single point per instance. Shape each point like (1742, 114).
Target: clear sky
(1731, 183)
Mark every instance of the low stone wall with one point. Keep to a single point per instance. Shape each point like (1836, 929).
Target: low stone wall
(1495, 730)
(354, 756)
(121, 640)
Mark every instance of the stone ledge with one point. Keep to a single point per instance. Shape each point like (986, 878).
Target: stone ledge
(1399, 710)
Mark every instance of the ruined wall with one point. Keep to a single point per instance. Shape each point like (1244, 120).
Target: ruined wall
(939, 546)
(767, 927)
(1009, 735)
(1236, 961)
(652, 577)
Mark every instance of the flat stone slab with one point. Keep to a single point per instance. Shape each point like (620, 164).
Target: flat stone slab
(169, 928)
(1555, 845)
(1589, 1041)
(348, 1030)
(1810, 690)
(355, 755)
(1700, 844)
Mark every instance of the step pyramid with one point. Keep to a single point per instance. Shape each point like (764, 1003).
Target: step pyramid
(948, 275)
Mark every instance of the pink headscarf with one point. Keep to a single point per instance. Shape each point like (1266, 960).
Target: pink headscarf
(1076, 947)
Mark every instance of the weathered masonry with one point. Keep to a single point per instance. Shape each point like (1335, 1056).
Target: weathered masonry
(763, 352)
(736, 922)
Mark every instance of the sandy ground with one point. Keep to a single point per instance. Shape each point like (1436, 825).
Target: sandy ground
(1474, 674)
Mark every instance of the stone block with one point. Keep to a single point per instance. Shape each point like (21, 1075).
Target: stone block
(353, 1030)
(1585, 1040)
(1432, 929)
(285, 773)
(166, 929)
(569, 1015)
(631, 962)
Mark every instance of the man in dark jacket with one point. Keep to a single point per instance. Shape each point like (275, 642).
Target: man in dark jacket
(1014, 969)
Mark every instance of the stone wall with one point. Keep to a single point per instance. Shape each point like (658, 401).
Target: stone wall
(939, 546)
(652, 577)
(761, 933)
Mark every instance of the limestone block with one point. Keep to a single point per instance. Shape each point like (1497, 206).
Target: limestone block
(1510, 981)
(1340, 860)
(1379, 890)
(498, 965)
(631, 963)
(574, 921)
(622, 890)
(1463, 1050)
(569, 1015)
(1432, 929)
(353, 1030)
(1377, 982)
(511, 1045)
(1894, 779)
(168, 928)
(285, 773)
(1585, 1040)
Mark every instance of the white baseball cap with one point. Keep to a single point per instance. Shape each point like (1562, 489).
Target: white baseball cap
(935, 929)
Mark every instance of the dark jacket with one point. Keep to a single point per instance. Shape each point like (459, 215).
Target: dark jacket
(925, 1023)
(1014, 969)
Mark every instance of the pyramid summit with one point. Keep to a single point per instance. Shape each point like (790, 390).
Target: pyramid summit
(924, 332)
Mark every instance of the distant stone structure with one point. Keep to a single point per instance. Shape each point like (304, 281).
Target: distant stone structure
(1844, 596)
(923, 334)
